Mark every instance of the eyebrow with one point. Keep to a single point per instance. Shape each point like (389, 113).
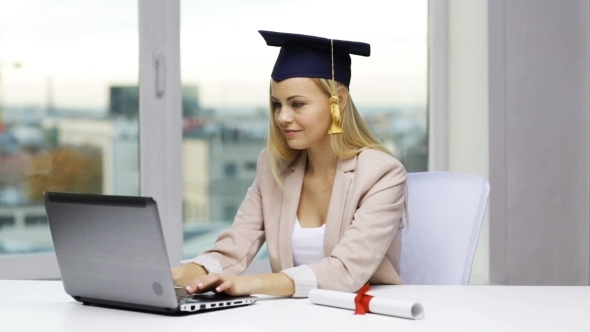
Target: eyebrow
(294, 96)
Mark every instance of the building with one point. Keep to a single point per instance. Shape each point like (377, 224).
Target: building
(118, 142)
(219, 165)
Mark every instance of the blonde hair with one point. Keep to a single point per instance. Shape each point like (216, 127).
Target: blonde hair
(355, 138)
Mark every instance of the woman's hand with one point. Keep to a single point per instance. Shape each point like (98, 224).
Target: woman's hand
(221, 283)
(185, 274)
(277, 284)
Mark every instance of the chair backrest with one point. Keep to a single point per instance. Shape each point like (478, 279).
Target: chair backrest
(445, 212)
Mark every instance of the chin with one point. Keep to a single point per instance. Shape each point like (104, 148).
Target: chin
(297, 145)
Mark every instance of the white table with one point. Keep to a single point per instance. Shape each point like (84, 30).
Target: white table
(44, 306)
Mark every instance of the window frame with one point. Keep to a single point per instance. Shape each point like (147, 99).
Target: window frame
(438, 84)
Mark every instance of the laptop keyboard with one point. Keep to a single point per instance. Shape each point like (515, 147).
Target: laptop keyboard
(183, 297)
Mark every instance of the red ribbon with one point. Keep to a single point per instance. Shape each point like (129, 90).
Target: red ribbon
(361, 301)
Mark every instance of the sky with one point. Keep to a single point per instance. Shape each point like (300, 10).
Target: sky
(77, 49)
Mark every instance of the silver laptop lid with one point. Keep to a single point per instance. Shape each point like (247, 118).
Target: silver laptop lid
(111, 248)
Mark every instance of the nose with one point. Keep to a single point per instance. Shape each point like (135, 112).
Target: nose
(284, 116)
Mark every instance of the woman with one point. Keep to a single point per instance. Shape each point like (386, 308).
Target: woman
(328, 198)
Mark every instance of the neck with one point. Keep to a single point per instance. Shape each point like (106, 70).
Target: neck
(321, 160)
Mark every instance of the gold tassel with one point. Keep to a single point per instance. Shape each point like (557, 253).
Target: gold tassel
(335, 113)
(334, 105)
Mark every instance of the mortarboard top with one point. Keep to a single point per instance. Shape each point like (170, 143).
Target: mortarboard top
(310, 56)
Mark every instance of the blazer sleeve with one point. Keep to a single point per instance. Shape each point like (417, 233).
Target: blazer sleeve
(365, 242)
(236, 247)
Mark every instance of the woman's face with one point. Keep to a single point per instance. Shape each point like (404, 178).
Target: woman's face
(301, 111)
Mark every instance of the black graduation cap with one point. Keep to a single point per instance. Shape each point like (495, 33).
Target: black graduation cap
(310, 56)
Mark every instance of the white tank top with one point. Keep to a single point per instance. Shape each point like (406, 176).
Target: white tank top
(308, 244)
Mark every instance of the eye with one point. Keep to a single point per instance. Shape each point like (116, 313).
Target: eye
(297, 104)
(276, 105)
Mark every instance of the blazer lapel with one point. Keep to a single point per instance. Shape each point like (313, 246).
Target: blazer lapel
(334, 219)
(291, 196)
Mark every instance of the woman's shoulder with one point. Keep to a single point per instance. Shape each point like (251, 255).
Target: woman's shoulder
(263, 155)
(377, 158)
(377, 167)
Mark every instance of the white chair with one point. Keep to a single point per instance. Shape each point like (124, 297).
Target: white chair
(445, 211)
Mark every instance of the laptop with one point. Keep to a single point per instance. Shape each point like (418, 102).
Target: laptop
(111, 252)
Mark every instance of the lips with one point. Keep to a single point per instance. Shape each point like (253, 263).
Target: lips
(290, 132)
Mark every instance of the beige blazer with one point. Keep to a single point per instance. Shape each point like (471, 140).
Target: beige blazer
(362, 236)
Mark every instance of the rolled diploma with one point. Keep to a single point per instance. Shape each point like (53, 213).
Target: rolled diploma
(377, 305)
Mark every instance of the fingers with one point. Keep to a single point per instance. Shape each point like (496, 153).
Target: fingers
(225, 286)
(205, 283)
(228, 284)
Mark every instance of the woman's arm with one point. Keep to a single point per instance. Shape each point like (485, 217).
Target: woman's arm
(277, 284)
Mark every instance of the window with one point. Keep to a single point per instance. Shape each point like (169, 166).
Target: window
(35, 220)
(6, 221)
(75, 101)
(231, 79)
(229, 170)
(250, 166)
(68, 109)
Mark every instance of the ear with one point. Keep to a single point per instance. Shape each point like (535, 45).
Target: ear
(342, 98)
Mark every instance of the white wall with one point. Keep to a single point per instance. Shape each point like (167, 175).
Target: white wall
(539, 141)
